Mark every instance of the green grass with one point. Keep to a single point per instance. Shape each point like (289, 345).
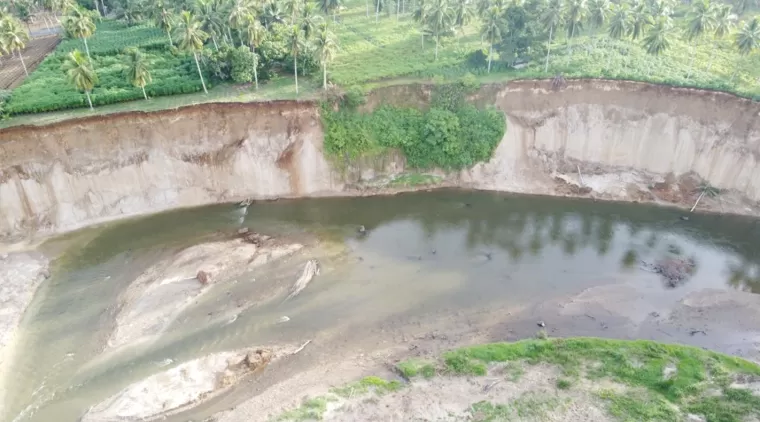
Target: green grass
(414, 367)
(637, 364)
(564, 384)
(311, 409)
(640, 406)
(529, 406)
(277, 89)
(368, 384)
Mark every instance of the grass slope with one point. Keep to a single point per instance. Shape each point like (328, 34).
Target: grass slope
(662, 382)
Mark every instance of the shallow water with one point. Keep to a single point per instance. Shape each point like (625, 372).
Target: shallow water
(424, 254)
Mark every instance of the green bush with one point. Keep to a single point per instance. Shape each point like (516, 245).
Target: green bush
(242, 62)
(451, 135)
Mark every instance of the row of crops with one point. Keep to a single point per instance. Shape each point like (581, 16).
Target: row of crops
(48, 88)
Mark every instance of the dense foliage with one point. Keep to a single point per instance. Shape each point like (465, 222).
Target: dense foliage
(450, 135)
(47, 88)
(703, 43)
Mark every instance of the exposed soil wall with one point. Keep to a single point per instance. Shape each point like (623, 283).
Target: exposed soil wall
(609, 139)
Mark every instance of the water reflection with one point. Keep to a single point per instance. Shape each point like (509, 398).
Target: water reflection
(526, 226)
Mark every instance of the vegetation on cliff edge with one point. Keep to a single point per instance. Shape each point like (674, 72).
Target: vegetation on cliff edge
(451, 134)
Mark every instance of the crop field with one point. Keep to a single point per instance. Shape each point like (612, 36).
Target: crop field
(48, 89)
(12, 72)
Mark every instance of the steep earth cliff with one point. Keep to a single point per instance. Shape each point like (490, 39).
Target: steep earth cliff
(610, 139)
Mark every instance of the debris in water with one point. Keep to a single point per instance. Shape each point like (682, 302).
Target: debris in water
(362, 231)
(166, 362)
(283, 319)
(233, 319)
(541, 324)
(684, 218)
(310, 270)
(203, 277)
(675, 270)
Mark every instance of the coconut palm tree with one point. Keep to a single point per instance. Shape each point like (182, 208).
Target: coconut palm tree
(440, 17)
(640, 19)
(551, 19)
(493, 23)
(14, 37)
(657, 39)
(164, 19)
(292, 8)
(79, 24)
(575, 14)
(80, 73)
(310, 20)
(191, 39)
(240, 15)
(208, 13)
(326, 47)
(598, 15)
(747, 39)
(255, 33)
(420, 16)
(137, 70)
(463, 13)
(699, 21)
(271, 13)
(620, 24)
(296, 44)
(329, 7)
(725, 20)
(705, 189)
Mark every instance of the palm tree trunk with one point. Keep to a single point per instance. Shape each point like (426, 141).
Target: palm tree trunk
(698, 199)
(216, 46)
(169, 34)
(198, 66)
(144, 94)
(232, 40)
(366, 2)
(436, 46)
(295, 68)
(103, 7)
(255, 67)
(324, 76)
(87, 93)
(709, 62)
(20, 56)
(97, 8)
(490, 54)
(422, 31)
(548, 48)
(398, 9)
(86, 48)
(377, 11)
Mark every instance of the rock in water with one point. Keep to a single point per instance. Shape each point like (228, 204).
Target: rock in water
(310, 270)
(203, 277)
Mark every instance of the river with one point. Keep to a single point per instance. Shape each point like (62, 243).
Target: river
(424, 255)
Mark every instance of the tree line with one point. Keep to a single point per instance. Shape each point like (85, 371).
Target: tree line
(512, 27)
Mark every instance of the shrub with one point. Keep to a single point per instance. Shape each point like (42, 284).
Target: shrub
(242, 62)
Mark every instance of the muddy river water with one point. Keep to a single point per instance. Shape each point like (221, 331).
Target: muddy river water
(424, 257)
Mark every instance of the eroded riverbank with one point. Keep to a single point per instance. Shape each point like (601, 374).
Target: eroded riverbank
(430, 271)
(601, 139)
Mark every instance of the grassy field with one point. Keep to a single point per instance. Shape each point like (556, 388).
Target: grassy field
(628, 380)
(374, 53)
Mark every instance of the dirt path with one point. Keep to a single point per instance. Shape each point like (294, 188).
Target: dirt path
(12, 72)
